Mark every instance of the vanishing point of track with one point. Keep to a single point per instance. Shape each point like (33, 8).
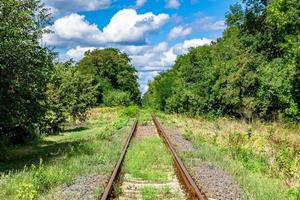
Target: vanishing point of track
(187, 182)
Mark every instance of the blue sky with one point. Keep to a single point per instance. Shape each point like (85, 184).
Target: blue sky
(152, 32)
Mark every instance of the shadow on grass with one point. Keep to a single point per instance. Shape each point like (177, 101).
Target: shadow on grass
(17, 158)
(76, 129)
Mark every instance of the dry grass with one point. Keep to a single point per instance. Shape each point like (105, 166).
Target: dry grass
(270, 149)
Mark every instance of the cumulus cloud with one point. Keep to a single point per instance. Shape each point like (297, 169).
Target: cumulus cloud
(179, 31)
(148, 60)
(160, 57)
(128, 26)
(173, 4)
(144, 78)
(78, 52)
(125, 27)
(71, 30)
(77, 5)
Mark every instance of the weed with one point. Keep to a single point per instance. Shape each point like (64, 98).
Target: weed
(263, 158)
(130, 111)
(295, 192)
(117, 189)
(188, 134)
(152, 193)
(27, 191)
(59, 159)
(148, 159)
(236, 142)
(285, 160)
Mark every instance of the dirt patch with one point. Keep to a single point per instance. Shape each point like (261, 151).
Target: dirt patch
(145, 131)
(211, 179)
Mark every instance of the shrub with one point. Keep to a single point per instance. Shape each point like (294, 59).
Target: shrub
(117, 98)
(130, 111)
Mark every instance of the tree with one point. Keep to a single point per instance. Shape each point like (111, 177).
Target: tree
(111, 69)
(24, 67)
(69, 94)
(252, 71)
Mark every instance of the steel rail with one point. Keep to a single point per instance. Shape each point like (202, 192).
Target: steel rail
(109, 187)
(185, 178)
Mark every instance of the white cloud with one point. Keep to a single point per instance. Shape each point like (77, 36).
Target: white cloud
(161, 56)
(148, 60)
(140, 3)
(196, 42)
(125, 27)
(77, 5)
(161, 47)
(144, 78)
(78, 52)
(179, 31)
(207, 23)
(71, 30)
(135, 50)
(128, 26)
(173, 4)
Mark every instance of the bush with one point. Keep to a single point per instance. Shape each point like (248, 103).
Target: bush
(117, 98)
(130, 111)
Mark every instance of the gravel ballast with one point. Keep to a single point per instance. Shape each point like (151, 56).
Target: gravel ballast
(211, 179)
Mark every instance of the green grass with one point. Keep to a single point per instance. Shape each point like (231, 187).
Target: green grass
(35, 169)
(255, 185)
(148, 159)
(152, 193)
(222, 142)
(145, 116)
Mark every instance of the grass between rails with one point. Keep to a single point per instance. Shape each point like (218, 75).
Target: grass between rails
(151, 193)
(262, 157)
(148, 159)
(26, 172)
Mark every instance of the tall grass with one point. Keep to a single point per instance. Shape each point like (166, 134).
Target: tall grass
(263, 157)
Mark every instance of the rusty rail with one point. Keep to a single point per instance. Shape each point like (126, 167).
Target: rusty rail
(109, 187)
(185, 178)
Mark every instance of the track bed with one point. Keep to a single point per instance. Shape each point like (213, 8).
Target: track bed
(150, 169)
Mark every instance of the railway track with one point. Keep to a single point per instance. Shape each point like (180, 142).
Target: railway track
(187, 183)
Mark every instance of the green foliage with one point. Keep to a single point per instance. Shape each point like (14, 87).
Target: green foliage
(130, 111)
(38, 96)
(110, 129)
(117, 98)
(251, 72)
(112, 70)
(24, 68)
(37, 170)
(26, 192)
(159, 94)
(69, 94)
(286, 162)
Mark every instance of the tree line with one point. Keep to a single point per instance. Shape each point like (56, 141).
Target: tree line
(252, 71)
(38, 94)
